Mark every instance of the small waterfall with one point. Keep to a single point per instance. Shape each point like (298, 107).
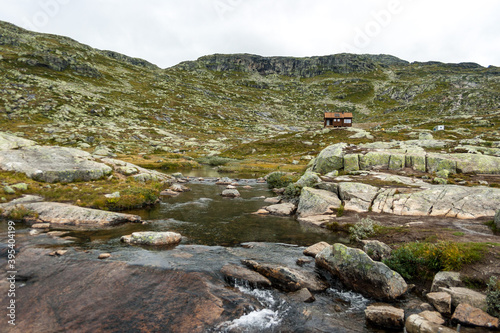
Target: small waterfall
(264, 320)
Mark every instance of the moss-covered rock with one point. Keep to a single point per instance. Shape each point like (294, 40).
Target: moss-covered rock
(360, 273)
(475, 163)
(374, 160)
(152, 238)
(437, 162)
(351, 162)
(397, 162)
(308, 179)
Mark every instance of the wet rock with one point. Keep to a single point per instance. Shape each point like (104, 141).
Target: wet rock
(284, 209)
(385, 316)
(317, 202)
(228, 193)
(152, 238)
(313, 250)
(58, 253)
(376, 250)
(441, 301)
(8, 142)
(461, 295)
(418, 324)
(317, 220)
(53, 164)
(446, 279)
(61, 214)
(357, 197)
(239, 274)
(433, 317)
(303, 295)
(169, 193)
(287, 279)
(358, 272)
(329, 159)
(468, 315)
(262, 212)
(224, 181)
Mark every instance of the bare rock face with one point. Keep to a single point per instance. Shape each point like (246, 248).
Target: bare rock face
(53, 164)
(287, 279)
(461, 295)
(497, 219)
(358, 197)
(471, 316)
(152, 238)
(61, 214)
(330, 159)
(235, 273)
(385, 316)
(360, 273)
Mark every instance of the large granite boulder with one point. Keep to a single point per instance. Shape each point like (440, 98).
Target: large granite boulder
(53, 164)
(351, 162)
(308, 179)
(329, 159)
(317, 202)
(468, 315)
(418, 324)
(437, 162)
(358, 197)
(446, 279)
(374, 160)
(239, 274)
(283, 209)
(385, 316)
(360, 273)
(60, 215)
(475, 163)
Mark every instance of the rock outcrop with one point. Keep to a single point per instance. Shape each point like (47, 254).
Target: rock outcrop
(317, 202)
(360, 273)
(60, 215)
(53, 164)
(471, 316)
(238, 274)
(8, 142)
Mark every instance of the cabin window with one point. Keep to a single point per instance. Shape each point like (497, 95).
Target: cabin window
(347, 121)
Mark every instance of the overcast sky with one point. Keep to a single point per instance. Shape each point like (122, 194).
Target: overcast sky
(166, 32)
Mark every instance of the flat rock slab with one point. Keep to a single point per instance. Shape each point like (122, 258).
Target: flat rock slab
(53, 164)
(385, 316)
(313, 250)
(61, 214)
(283, 209)
(471, 316)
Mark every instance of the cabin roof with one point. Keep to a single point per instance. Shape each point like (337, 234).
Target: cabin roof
(338, 115)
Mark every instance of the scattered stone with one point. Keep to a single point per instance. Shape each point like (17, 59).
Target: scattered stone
(441, 301)
(262, 212)
(313, 250)
(284, 209)
(58, 253)
(9, 190)
(303, 261)
(20, 187)
(376, 250)
(235, 273)
(169, 193)
(177, 175)
(230, 187)
(468, 315)
(231, 193)
(104, 256)
(224, 181)
(358, 272)
(385, 316)
(179, 188)
(152, 238)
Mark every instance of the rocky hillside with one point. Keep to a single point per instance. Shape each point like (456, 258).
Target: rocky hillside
(58, 91)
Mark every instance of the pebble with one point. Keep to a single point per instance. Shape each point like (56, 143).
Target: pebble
(104, 256)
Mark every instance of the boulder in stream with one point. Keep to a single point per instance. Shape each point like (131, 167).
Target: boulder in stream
(152, 238)
(357, 271)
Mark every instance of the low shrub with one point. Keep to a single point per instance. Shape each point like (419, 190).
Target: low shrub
(130, 198)
(215, 160)
(493, 297)
(424, 260)
(20, 213)
(280, 179)
(292, 191)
